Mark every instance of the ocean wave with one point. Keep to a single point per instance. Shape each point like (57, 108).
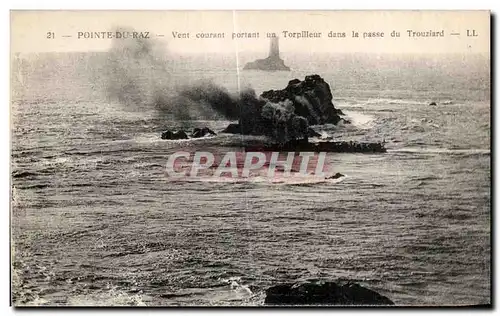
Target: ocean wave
(111, 297)
(359, 102)
(353, 103)
(360, 120)
(378, 101)
(430, 150)
(277, 180)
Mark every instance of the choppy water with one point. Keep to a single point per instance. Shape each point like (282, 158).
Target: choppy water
(95, 220)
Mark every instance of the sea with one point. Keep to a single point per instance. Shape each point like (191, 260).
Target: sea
(96, 221)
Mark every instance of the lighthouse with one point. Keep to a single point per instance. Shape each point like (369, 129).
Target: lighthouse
(272, 63)
(274, 48)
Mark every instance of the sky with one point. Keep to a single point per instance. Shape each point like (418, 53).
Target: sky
(30, 30)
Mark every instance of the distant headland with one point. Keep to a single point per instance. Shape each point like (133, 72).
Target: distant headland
(272, 63)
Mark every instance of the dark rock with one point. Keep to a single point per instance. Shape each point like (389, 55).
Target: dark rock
(232, 129)
(275, 120)
(285, 115)
(180, 135)
(313, 78)
(323, 293)
(267, 64)
(196, 133)
(433, 103)
(207, 131)
(168, 134)
(311, 99)
(202, 132)
(336, 176)
(312, 133)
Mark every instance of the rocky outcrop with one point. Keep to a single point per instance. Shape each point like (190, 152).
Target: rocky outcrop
(202, 132)
(168, 134)
(335, 176)
(197, 133)
(267, 64)
(312, 133)
(323, 293)
(276, 120)
(285, 115)
(232, 129)
(311, 99)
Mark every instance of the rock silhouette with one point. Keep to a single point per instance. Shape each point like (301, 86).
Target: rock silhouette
(202, 132)
(311, 98)
(312, 133)
(168, 134)
(285, 115)
(272, 63)
(232, 129)
(323, 293)
(336, 176)
(197, 133)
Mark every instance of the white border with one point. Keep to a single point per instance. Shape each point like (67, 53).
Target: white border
(254, 5)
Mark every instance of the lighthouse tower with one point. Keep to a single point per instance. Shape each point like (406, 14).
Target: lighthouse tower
(274, 48)
(273, 62)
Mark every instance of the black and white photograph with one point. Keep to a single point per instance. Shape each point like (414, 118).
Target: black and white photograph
(250, 158)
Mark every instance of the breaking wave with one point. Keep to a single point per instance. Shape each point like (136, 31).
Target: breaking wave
(360, 120)
(417, 150)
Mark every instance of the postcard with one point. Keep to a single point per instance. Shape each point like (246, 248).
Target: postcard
(250, 158)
